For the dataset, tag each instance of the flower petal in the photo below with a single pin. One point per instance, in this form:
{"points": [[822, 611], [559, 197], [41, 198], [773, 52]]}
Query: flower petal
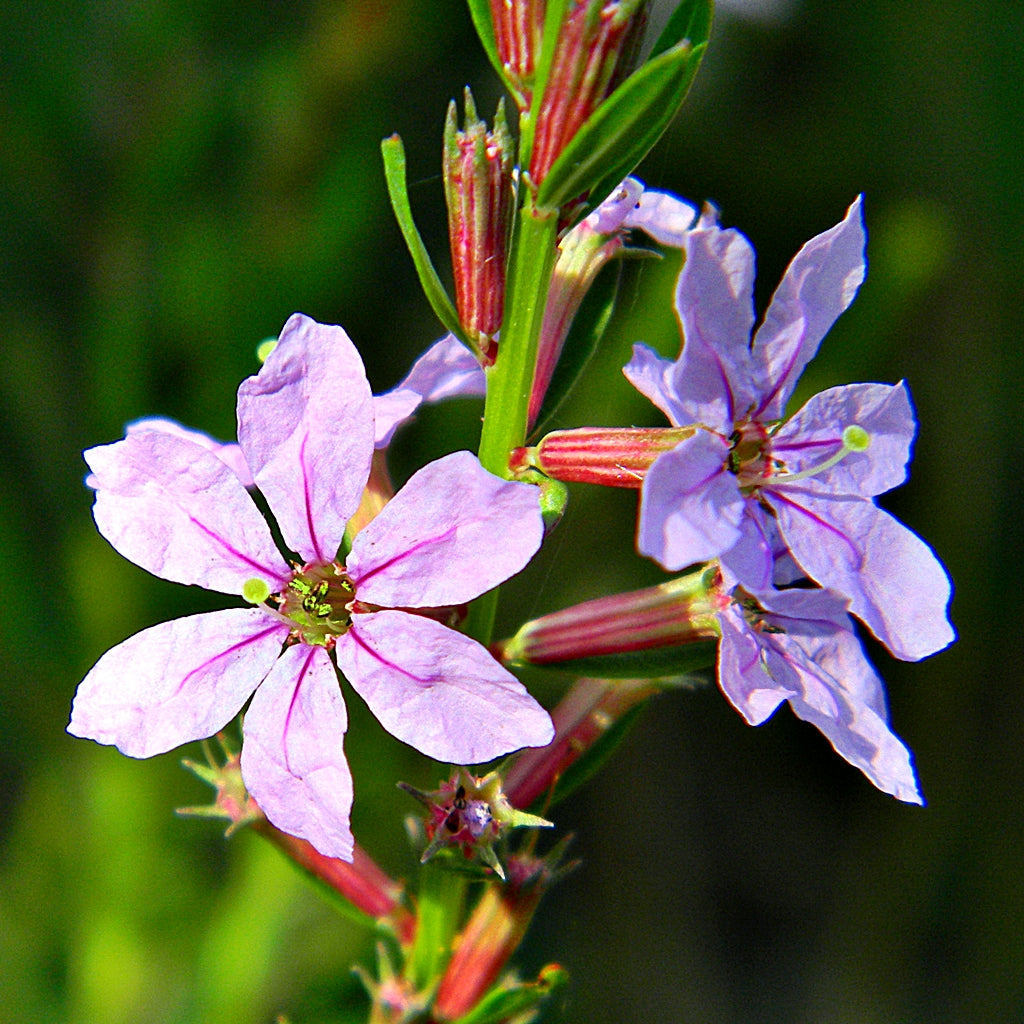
{"points": [[176, 682], [815, 433], [438, 690], [227, 451], [690, 504], [305, 424], [893, 580], [451, 533], [815, 663], [446, 370], [663, 216], [818, 285], [293, 761], [712, 381], [652, 376], [180, 513]]}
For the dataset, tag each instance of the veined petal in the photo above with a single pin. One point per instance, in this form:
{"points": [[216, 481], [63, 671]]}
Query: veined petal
{"points": [[893, 580], [652, 376], [815, 433], [818, 285], [751, 561], [451, 533], [176, 682], [446, 370], [180, 513], [227, 451], [305, 424], [712, 381], [293, 761], [690, 504], [817, 665], [438, 690]]}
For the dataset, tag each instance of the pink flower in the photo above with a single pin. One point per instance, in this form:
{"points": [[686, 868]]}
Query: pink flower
{"points": [[306, 430]]}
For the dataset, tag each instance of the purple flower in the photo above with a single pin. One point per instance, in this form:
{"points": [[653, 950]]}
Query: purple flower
{"points": [[306, 429], [799, 646], [745, 482]]}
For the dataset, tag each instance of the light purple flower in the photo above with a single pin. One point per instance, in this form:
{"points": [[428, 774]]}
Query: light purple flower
{"points": [[172, 506], [743, 483], [799, 646]]}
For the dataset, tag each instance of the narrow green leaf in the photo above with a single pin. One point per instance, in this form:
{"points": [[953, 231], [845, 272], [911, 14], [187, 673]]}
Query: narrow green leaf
{"points": [[394, 173], [439, 907], [690, 20], [654, 663], [588, 327], [622, 131]]}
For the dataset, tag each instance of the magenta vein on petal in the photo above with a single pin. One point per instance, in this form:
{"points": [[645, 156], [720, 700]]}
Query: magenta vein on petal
{"points": [[232, 550]]}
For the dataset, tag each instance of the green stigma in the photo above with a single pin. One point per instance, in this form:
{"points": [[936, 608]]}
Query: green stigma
{"points": [[856, 439], [255, 591], [264, 348]]}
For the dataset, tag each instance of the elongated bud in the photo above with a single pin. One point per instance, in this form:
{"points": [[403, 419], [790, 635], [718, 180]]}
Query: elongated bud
{"points": [[594, 51], [582, 719], [681, 611], [518, 27], [479, 193], [493, 933], [612, 456]]}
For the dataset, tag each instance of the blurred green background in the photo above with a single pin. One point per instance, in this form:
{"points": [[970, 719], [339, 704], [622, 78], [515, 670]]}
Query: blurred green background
{"points": [[176, 179]]}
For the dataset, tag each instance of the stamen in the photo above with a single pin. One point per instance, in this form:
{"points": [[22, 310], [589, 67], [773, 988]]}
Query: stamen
{"points": [[855, 439]]}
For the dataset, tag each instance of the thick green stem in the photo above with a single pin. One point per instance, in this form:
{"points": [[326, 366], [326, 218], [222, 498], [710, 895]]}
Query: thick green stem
{"points": [[439, 907], [510, 379]]}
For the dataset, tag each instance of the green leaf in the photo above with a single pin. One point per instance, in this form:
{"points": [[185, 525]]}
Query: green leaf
{"points": [[504, 1002], [622, 131], [653, 663], [585, 335], [394, 173], [690, 20]]}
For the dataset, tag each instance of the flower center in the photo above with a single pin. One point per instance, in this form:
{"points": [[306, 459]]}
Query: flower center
{"points": [[750, 457], [317, 602]]}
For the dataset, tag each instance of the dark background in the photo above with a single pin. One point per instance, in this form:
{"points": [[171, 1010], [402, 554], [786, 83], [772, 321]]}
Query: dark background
{"points": [[176, 179]]}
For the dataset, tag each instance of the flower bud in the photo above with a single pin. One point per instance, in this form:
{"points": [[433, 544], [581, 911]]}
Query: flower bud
{"points": [[595, 49], [479, 192], [611, 456], [681, 611], [518, 28]]}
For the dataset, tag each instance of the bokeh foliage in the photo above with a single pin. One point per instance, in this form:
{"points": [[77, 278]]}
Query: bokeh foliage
{"points": [[176, 179]]}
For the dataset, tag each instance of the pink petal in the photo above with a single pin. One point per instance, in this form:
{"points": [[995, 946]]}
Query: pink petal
{"points": [[690, 505], [663, 216], [305, 424], [179, 512], [228, 452], [816, 432], [715, 301], [293, 761], [438, 690], [893, 580], [652, 376], [446, 370], [817, 287], [176, 682], [451, 533]]}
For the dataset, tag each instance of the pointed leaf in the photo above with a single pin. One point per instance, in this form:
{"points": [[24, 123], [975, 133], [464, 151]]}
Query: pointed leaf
{"points": [[394, 172]]}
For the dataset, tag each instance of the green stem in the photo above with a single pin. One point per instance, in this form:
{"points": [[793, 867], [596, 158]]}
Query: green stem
{"points": [[510, 379], [439, 907]]}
